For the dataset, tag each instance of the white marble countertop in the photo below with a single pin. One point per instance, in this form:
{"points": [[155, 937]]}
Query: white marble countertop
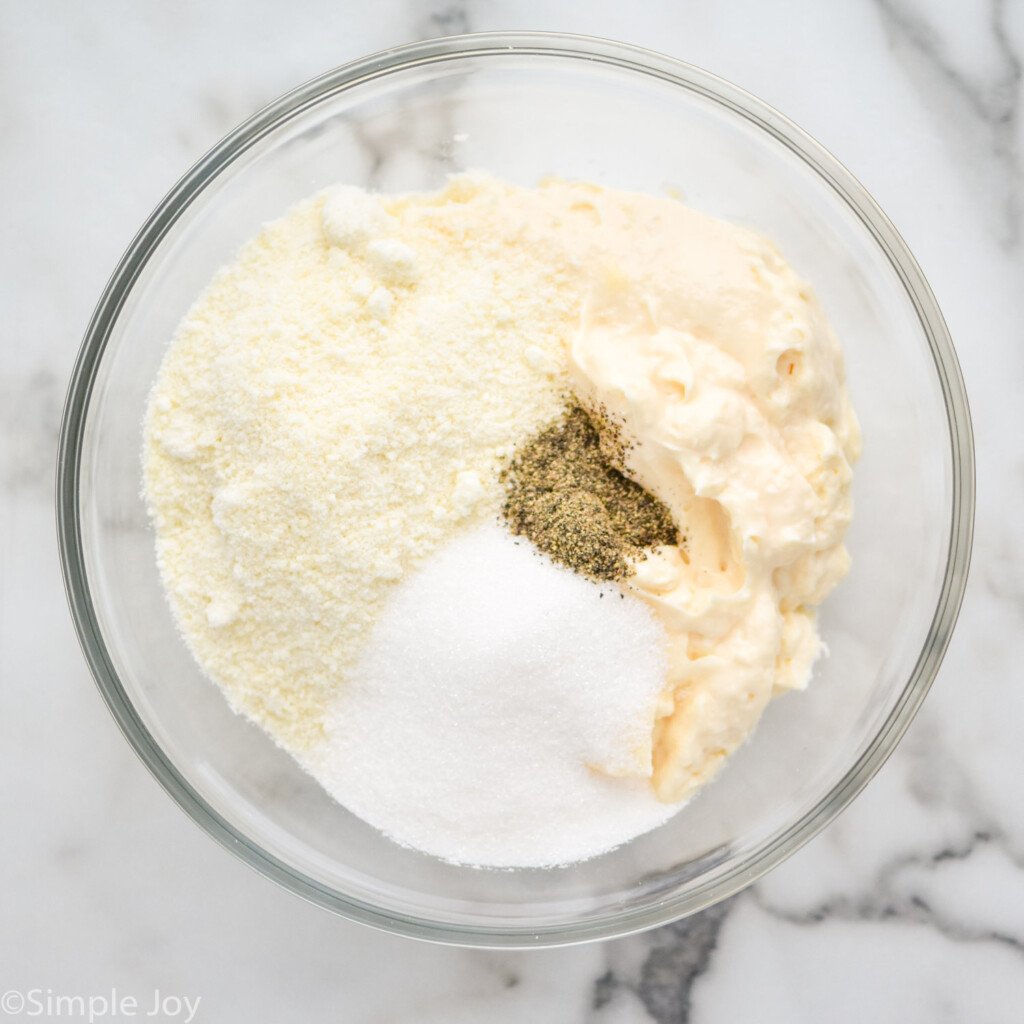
{"points": [[909, 908]]}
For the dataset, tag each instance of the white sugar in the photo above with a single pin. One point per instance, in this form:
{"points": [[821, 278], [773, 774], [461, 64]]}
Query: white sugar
{"points": [[495, 703]]}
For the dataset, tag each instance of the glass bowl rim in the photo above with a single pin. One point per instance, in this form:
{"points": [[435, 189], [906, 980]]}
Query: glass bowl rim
{"points": [[769, 852]]}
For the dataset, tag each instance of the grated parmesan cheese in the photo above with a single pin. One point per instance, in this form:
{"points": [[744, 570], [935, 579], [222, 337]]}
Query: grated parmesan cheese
{"points": [[291, 480]]}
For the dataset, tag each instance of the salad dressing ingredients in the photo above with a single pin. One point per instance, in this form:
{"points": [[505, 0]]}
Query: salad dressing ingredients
{"points": [[332, 421]]}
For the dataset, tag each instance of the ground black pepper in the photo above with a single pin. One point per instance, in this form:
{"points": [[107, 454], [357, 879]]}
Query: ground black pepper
{"points": [[565, 494]]}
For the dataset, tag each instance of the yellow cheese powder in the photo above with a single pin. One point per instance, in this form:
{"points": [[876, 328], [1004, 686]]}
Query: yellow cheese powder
{"points": [[334, 406]]}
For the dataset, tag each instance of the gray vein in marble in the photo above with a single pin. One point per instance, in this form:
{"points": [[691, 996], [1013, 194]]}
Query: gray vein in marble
{"points": [[1003, 571], [501, 966], [996, 101], [883, 903], [937, 780], [676, 956], [29, 416], [449, 20], [383, 143]]}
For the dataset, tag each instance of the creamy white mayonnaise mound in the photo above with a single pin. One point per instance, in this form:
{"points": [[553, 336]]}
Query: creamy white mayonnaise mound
{"points": [[719, 363]]}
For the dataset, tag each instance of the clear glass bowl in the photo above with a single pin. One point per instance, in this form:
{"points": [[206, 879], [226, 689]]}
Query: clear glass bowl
{"points": [[524, 106]]}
